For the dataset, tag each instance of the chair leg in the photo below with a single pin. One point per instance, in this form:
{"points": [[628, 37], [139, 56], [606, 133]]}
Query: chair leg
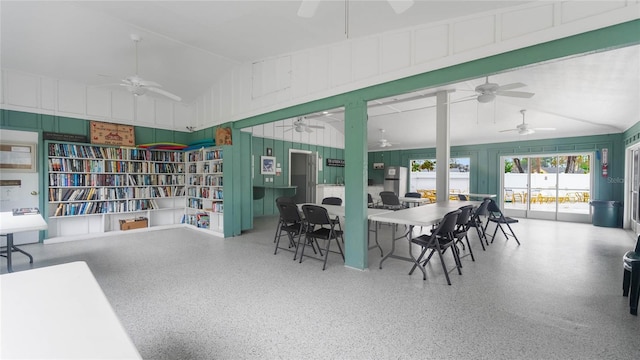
{"points": [[444, 266], [513, 233], [635, 289], [304, 244], [480, 236], [424, 250], [276, 239], [469, 245], [626, 282]]}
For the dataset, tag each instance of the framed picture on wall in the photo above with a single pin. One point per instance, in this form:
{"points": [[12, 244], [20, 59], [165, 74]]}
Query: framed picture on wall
{"points": [[18, 157], [267, 165]]}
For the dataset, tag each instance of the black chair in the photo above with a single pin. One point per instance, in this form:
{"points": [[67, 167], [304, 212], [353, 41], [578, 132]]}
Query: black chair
{"points": [[290, 222], [413, 195], [462, 227], [390, 201], [631, 263], [320, 227], [370, 202], [496, 216], [462, 197], [476, 221], [332, 201], [440, 239]]}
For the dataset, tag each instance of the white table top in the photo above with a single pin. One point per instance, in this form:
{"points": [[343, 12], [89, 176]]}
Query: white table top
{"points": [[421, 215], [476, 195], [337, 210], [59, 312], [10, 224], [414, 200]]}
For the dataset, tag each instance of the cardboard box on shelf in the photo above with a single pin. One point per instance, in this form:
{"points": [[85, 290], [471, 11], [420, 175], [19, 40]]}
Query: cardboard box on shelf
{"points": [[137, 223]]}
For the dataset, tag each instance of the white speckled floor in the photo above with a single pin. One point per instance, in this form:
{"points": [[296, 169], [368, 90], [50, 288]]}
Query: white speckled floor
{"points": [[184, 295]]}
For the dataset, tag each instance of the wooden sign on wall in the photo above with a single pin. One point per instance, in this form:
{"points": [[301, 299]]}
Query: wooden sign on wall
{"points": [[112, 134]]}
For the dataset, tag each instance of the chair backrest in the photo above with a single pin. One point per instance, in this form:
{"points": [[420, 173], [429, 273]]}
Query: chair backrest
{"points": [[389, 198], [413, 195], [465, 215], [493, 207], [462, 197], [448, 224], [288, 210], [369, 199], [332, 201], [637, 250], [316, 215], [483, 209]]}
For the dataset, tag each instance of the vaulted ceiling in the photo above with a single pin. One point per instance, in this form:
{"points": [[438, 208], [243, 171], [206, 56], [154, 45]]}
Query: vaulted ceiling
{"points": [[188, 45]]}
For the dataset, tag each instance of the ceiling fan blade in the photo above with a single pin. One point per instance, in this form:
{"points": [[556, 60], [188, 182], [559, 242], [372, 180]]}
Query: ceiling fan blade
{"points": [[511, 86], [308, 8], [289, 129], [400, 6], [544, 129], [509, 130], [165, 93], [148, 83], [306, 128], [518, 94], [284, 126], [315, 126]]}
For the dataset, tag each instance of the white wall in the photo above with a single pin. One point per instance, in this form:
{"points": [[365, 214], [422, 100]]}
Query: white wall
{"points": [[273, 83]]}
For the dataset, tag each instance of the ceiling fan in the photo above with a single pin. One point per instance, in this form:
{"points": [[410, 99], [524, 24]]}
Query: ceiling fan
{"points": [[138, 86], [299, 126], [524, 129], [487, 92], [383, 143], [308, 8]]}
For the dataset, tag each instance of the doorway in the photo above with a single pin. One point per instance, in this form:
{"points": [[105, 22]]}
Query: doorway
{"points": [[633, 190], [550, 187], [303, 175], [23, 186]]}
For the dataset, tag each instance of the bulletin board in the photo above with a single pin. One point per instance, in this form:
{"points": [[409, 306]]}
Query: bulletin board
{"points": [[18, 157], [112, 134]]}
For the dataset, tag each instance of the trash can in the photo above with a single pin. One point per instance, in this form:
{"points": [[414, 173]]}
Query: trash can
{"points": [[606, 213]]}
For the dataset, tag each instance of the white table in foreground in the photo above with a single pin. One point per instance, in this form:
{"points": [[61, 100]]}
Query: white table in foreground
{"points": [[59, 312], [10, 224], [416, 216]]}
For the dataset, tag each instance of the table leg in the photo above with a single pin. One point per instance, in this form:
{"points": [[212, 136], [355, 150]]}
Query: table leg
{"points": [[9, 250], [375, 227], [393, 245]]}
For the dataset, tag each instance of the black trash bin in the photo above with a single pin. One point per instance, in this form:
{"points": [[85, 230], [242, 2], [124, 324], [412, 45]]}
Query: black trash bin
{"points": [[606, 213]]}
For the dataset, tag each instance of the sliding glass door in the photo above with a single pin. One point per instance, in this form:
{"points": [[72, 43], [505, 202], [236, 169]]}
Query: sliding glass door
{"points": [[556, 187]]}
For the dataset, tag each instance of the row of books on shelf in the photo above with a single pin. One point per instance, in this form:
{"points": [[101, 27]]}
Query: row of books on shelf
{"points": [[75, 165], [213, 154], [87, 180], [208, 193], [213, 180], [200, 220], [103, 207], [111, 193], [215, 167], [116, 153], [150, 179], [142, 167]]}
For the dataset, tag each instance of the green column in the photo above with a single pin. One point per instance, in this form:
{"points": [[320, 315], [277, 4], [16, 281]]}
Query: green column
{"points": [[355, 149]]}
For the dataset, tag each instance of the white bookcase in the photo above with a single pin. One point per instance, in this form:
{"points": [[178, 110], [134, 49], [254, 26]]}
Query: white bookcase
{"points": [[93, 187], [204, 189]]}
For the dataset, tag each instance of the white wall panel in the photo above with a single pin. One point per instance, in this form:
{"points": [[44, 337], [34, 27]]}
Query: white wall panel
{"points": [[396, 51], [22, 89], [164, 114], [184, 115], [366, 58], [431, 43], [341, 64], [122, 106], [98, 102], [473, 34], [71, 97], [226, 89], [318, 70], [145, 110], [526, 21], [300, 75], [577, 10], [47, 93]]}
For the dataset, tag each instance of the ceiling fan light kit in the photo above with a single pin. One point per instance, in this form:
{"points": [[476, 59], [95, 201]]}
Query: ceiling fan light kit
{"points": [[486, 98], [524, 129]]}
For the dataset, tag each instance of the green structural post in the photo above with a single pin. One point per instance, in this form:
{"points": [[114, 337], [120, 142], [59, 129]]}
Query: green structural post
{"points": [[355, 149]]}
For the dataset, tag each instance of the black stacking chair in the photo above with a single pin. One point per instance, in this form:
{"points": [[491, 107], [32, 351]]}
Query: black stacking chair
{"points": [[496, 216], [476, 221], [631, 262], [290, 222], [413, 195], [333, 201], [390, 201], [370, 202], [462, 197], [320, 227], [462, 227], [440, 239]]}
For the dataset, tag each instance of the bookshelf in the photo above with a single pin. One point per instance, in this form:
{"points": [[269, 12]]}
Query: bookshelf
{"points": [[204, 189], [92, 187]]}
